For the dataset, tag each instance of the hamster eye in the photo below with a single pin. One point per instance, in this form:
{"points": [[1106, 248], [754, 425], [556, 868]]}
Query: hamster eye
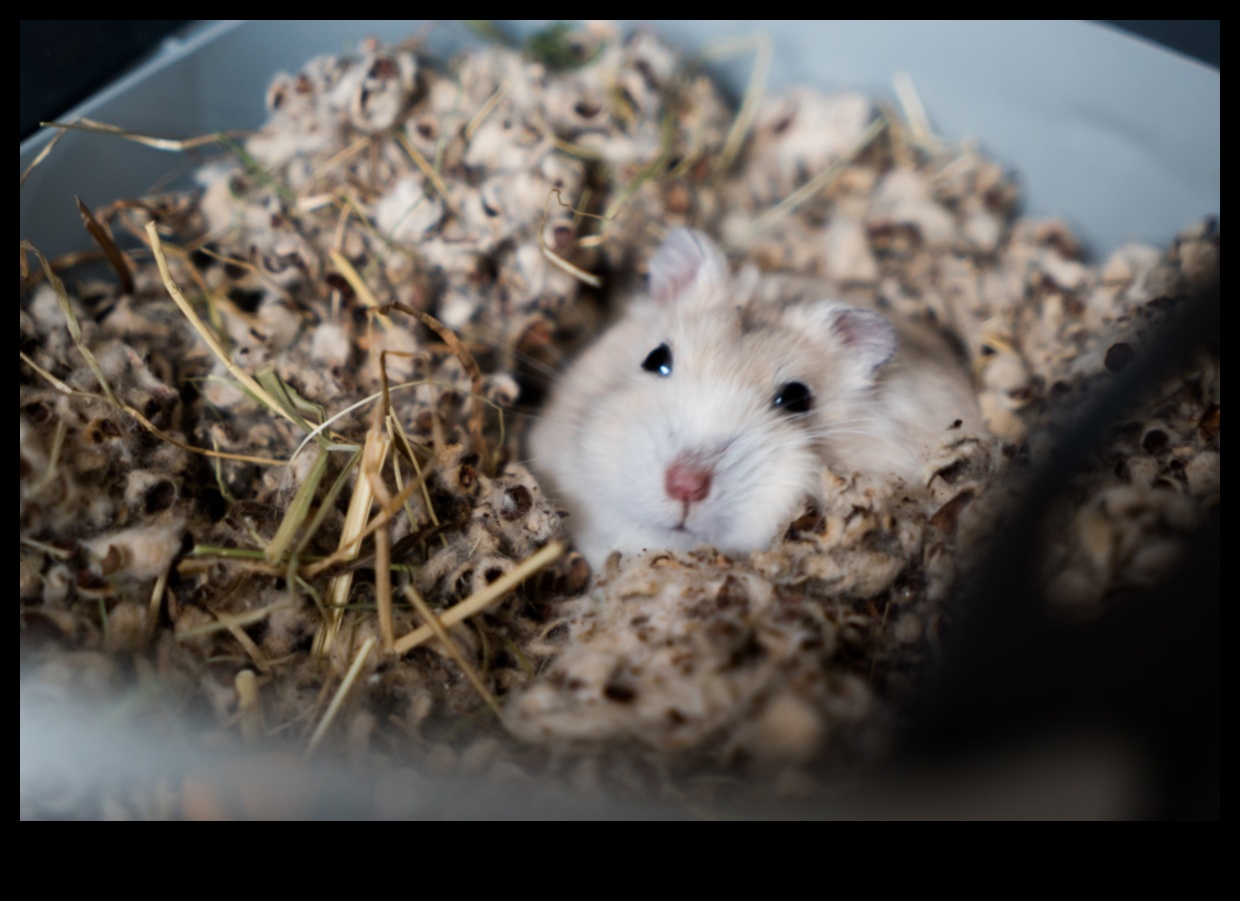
{"points": [[659, 361], [794, 397]]}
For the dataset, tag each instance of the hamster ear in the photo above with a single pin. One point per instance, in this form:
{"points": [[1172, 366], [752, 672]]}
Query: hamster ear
{"points": [[867, 336], [687, 262]]}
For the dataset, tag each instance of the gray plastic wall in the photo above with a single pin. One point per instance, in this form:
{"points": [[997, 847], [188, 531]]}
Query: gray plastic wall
{"points": [[1120, 137]]}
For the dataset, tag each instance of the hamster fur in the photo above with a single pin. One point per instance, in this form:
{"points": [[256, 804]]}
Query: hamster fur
{"points": [[709, 411]]}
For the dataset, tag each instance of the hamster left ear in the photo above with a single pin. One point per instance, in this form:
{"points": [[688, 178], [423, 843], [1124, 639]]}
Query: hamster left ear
{"points": [[688, 261], [868, 335]]}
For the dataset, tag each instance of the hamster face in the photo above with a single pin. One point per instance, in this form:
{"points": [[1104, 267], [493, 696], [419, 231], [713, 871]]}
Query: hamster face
{"points": [[703, 418]]}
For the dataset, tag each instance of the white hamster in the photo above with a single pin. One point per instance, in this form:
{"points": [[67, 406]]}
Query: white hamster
{"points": [[709, 411]]}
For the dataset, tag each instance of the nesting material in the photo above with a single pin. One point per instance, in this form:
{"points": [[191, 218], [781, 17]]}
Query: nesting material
{"points": [[400, 253]]}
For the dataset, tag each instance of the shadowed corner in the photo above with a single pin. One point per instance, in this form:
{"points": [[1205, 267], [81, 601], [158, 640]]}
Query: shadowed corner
{"points": [[1144, 677]]}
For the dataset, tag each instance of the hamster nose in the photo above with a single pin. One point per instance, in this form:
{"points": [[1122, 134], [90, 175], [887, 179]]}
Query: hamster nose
{"points": [[687, 481]]}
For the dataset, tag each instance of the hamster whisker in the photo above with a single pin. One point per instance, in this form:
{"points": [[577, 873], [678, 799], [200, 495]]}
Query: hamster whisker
{"points": [[841, 424], [523, 412], [833, 433], [532, 363]]}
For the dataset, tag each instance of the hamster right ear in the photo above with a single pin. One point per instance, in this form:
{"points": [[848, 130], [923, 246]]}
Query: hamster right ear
{"points": [[688, 262], [867, 338]]}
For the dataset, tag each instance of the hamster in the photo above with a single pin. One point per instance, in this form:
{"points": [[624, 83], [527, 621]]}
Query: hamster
{"points": [[708, 413]]}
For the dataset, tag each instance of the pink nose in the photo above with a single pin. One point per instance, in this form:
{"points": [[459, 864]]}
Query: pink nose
{"points": [[687, 482]]}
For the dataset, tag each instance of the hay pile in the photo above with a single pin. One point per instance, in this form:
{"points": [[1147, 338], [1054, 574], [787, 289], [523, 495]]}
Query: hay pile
{"points": [[373, 283]]}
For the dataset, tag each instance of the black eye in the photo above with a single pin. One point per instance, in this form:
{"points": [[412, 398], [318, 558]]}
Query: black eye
{"points": [[659, 361], [793, 397]]}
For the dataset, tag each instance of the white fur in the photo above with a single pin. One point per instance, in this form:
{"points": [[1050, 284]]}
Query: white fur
{"points": [[611, 429]]}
